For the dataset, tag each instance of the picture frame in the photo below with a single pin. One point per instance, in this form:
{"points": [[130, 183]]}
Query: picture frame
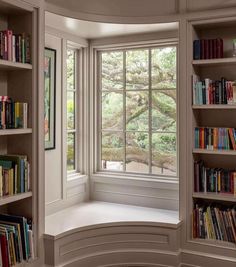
{"points": [[49, 98]]}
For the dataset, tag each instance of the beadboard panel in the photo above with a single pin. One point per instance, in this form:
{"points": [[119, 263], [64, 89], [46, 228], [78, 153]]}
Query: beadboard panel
{"points": [[135, 193], [86, 246]]}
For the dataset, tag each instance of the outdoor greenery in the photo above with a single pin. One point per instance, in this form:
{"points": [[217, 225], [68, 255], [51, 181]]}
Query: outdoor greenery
{"points": [[70, 109], [139, 110]]}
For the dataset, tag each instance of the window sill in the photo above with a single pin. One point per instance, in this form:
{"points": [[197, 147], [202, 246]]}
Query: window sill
{"points": [[169, 183], [77, 178]]}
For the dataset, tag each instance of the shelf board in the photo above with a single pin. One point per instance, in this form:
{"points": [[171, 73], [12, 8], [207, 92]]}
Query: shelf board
{"points": [[15, 131], [220, 106], [215, 61], [216, 152], [10, 65], [215, 196], [10, 199], [216, 243]]}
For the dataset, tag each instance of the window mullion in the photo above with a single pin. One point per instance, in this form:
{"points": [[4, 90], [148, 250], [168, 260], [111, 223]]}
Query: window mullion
{"points": [[124, 108], [150, 110]]}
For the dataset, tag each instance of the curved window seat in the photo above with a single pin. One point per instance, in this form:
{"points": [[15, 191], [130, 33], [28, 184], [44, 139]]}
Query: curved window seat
{"points": [[77, 235]]}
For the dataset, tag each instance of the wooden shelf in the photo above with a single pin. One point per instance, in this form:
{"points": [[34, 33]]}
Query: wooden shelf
{"points": [[217, 243], [216, 152], [9, 199], [215, 196], [220, 106], [10, 65], [215, 62], [15, 131]]}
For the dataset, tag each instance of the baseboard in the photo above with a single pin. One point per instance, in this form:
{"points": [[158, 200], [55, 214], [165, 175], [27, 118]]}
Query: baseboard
{"points": [[199, 259]]}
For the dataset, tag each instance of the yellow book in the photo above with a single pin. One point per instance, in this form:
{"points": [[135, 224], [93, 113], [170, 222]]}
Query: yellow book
{"points": [[11, 182]]}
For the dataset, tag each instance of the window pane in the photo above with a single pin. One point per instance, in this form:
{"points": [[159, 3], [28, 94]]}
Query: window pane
{"points": [[164, 110], [137, 111], [164, 153], [137, 69], [164, 67], [70, 151], [112, 151], [70, 69], [112, 70], [112, 111], [70, 110], [137, 152]]}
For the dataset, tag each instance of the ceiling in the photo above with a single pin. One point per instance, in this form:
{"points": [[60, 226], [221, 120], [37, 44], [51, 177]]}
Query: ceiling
{"points": [[93, 30]]}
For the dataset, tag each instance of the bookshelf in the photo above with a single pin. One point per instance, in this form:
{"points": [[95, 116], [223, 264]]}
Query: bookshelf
{"points": [[21, 82], [212, 116]]}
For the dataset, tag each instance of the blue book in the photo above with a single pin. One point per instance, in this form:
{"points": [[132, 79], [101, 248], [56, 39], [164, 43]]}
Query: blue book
{"points": [[196, 49]]}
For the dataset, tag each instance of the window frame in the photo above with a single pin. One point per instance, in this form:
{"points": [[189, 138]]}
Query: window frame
{"points": [[79, 170], [98, 118]]}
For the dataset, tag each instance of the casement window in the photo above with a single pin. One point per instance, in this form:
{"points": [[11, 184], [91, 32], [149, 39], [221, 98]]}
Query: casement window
{"points": [[71, 110], [138, 111]]}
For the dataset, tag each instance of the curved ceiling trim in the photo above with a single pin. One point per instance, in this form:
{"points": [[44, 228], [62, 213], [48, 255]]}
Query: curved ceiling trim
{"points": [[111, 19]]}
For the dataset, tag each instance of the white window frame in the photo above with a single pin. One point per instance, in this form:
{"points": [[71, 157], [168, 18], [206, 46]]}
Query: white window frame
{"points": [[80, 112], [96, 120]]}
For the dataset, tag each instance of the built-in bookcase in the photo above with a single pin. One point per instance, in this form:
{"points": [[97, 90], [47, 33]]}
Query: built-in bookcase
{"points": [[19, 81], [217, 115]]}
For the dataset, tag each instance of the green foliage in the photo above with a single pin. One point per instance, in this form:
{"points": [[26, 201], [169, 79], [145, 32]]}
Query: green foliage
{"points": [[138, 114]]}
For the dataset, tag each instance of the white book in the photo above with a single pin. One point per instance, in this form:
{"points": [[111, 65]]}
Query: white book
{"points": [[195, 79], [31, 244]]}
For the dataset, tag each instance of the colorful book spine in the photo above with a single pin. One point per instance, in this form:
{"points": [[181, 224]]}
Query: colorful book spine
{"points": [[215, 138], [15, 47], [208, 48], [212, 222]]}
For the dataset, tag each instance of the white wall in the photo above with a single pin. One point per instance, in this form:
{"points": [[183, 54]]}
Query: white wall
{"points": [[53, 158], [60, 193]]}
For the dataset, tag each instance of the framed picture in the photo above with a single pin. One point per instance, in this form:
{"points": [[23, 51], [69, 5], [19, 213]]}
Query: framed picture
{"points": [[49, 98]]}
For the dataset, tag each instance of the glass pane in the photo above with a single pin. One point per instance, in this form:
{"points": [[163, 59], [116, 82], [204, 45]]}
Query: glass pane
{"points": [[137, 69], [70, 69], [112, 110], [137, 111], [112, 70], [112, 151], [164, 153], [164, 67], [164, 110], [137, 152], [70, 151], [70, 110]]}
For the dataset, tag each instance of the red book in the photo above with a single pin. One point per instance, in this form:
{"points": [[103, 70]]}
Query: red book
{"points": [[9, 44], [4, 250], [202, 45], [219, 48], [231, 135], [210, 44], [214, 48], [206, 48]]}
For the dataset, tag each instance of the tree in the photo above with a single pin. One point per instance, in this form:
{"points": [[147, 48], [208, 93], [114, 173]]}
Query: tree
{"points": [[163, 102]]}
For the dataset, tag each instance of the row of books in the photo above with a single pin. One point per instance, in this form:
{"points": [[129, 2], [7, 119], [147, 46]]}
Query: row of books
{"points": [[14, 47], [14, 174], [215, 180], [212, 222], [215, 138], [207, 48], [13, 114], [208, 91], [16, 240]]}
